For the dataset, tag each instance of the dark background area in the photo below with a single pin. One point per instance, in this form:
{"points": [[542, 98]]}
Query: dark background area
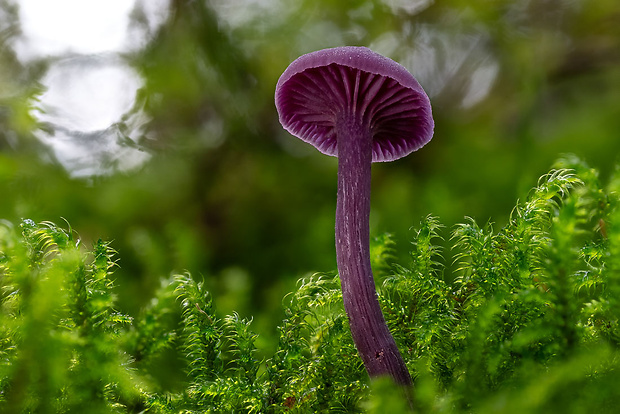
{"points": [[223, 192]]}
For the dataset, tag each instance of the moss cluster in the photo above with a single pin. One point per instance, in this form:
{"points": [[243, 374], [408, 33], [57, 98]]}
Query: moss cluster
{"points": [[524, 319]]}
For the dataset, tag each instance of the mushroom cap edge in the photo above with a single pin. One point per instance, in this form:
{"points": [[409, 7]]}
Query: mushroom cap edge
{"points": [[365, 60]]}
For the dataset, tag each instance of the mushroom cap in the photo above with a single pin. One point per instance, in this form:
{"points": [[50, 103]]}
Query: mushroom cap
{"points": [[350, 83]]}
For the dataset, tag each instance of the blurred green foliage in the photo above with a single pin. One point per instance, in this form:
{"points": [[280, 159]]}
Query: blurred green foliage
{"points": [[227, 193], [527, 322]]}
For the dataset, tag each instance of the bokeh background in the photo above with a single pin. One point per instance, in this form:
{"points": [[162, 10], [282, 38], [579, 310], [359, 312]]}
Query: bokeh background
{"points": [[151, 123]]}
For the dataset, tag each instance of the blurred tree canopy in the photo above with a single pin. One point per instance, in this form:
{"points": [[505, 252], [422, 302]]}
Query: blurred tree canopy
{"points": [[223, 191]]}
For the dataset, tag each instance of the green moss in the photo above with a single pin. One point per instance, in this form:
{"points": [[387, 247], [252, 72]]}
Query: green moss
{"points": [[524, 319]]}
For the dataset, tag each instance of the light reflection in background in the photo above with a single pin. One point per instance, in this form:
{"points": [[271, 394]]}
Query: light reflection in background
{"points": [[59, 27], [408, 6], [52, 28], [85, 104], [78, 86], [88, 108], [93, 124], [451, 62]]}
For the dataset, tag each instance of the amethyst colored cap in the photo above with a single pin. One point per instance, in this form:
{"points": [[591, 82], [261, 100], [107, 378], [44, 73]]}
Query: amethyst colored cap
{"points": [[351, 83]]}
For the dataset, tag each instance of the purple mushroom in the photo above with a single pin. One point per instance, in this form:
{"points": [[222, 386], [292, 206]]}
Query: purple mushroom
{"points": [[362, 107]]}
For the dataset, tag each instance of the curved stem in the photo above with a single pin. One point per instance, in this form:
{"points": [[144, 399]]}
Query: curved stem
{"points": [[370, 333]]}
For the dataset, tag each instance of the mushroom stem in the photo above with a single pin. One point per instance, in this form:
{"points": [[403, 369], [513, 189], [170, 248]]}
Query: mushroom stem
{"points": [[370, 333]]}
